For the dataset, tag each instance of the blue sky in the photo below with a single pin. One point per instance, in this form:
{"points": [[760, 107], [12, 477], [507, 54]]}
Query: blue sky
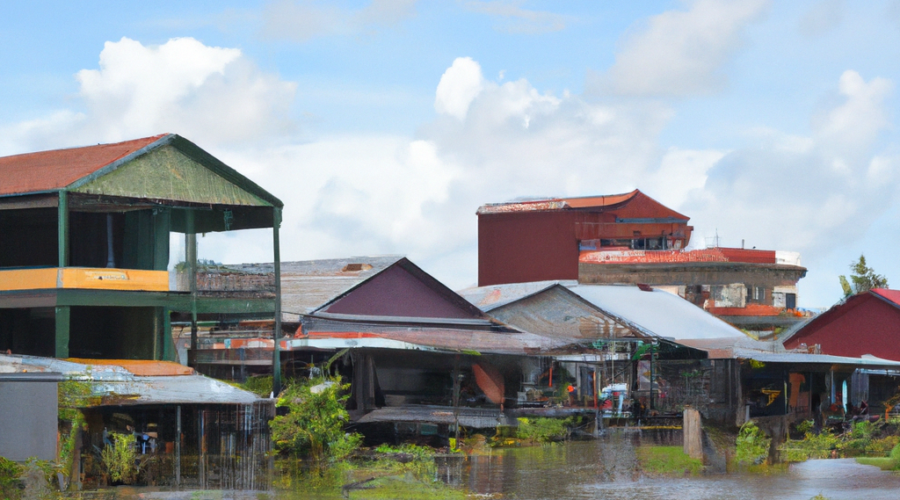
{"points": [[384, 124]]}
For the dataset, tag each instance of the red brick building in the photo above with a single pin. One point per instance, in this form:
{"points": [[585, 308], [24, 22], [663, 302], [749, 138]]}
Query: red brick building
{"points": [[541, 240], [633, 239]]}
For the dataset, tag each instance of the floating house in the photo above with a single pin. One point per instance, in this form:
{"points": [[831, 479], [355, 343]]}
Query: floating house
{"points": [[84, 266], [190, 430], [696, 359], [89, 293]]}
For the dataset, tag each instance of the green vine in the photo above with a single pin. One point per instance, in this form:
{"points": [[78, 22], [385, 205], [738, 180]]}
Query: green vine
{"points": [[72, 395]]}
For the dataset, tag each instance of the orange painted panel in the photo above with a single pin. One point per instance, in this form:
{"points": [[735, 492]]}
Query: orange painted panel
{"points": [[139, 367], [114, 279], [28, 279]]}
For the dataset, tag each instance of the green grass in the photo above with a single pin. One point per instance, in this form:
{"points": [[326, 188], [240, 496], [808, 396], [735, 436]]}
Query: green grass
{"points": [[891, 462], [402, 488], [667, 460], [884, 463]]}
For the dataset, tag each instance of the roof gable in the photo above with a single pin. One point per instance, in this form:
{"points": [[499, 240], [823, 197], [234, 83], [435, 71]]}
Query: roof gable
{"points": [[402, 290], [160, 167], [633, 205], [165, 173], [867, 323], [557, 312]]}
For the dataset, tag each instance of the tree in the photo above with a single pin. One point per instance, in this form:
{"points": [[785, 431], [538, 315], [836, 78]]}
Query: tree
{"points": [[864, 279], [314, 425]]}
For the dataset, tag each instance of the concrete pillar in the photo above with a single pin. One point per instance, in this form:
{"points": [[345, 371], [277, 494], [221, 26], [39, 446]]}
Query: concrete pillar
{"points": [[693, 433]]}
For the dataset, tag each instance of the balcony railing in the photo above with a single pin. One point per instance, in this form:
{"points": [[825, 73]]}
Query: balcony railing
{"points": [[84, 278]]}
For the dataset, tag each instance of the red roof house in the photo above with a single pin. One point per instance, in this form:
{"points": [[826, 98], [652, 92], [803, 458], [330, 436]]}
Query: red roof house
{"points": [[868, 323]]}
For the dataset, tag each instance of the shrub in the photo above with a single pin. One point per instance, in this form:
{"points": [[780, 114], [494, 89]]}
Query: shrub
{"points": [[314, 425], [883, 446], [10, 472], [862, 430], [752, 445], [811, 446], [261, 386], [543, 430], [411, 450], [118, 458]]}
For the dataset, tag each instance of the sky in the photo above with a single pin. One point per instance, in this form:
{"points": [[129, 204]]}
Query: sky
{"points": [[383, 125]]}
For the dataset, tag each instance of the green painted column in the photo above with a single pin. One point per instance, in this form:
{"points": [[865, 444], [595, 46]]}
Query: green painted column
{"points": [[276, 335], [191, 258], [162, 225], [63, 229], [168, 351], [63, 314]]}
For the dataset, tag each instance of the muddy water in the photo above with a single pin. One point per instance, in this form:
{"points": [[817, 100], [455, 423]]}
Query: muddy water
{"points": [[600, 469], [607, 469]]}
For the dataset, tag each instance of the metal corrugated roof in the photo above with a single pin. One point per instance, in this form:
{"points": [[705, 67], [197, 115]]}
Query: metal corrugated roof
{"points": [[53, 170], [800, 357], [657, 312], [433, 339], [307, 285], [491, 297], [117, 386], [889, 295]]}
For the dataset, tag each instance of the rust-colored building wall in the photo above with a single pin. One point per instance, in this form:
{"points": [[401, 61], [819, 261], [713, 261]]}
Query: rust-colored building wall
{"points": [[864, 324], [523, 247]]}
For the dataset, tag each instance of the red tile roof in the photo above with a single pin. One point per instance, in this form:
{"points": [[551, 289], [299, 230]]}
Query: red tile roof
{"points": [[625, 256], [53, 170], [627, 205]]}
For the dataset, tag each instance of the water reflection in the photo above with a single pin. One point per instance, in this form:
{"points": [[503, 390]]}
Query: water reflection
{"points": [[608, 469]]}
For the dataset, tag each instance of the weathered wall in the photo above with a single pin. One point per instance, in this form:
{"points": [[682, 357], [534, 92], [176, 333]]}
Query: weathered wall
{"points": [[701, 273], [523, 247]]}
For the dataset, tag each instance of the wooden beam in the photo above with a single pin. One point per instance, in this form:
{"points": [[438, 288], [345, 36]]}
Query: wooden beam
{"points": [[276, 352]]}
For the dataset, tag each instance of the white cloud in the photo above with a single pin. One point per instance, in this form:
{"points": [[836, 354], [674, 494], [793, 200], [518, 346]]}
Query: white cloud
{"points": [[680, 53], [459, 85], [302, 20], [213, 95], [371, 194], [491, 141], [515, 19], [810, 194], [821, 18]]}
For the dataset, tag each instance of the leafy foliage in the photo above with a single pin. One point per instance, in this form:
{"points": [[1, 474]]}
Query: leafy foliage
{"points": [[543, 430], [71, 396], [863, 279], [261, 386], [118, 458], [407, 450], [314, 425], [752, 445], [811, 446], [10, 472]]}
